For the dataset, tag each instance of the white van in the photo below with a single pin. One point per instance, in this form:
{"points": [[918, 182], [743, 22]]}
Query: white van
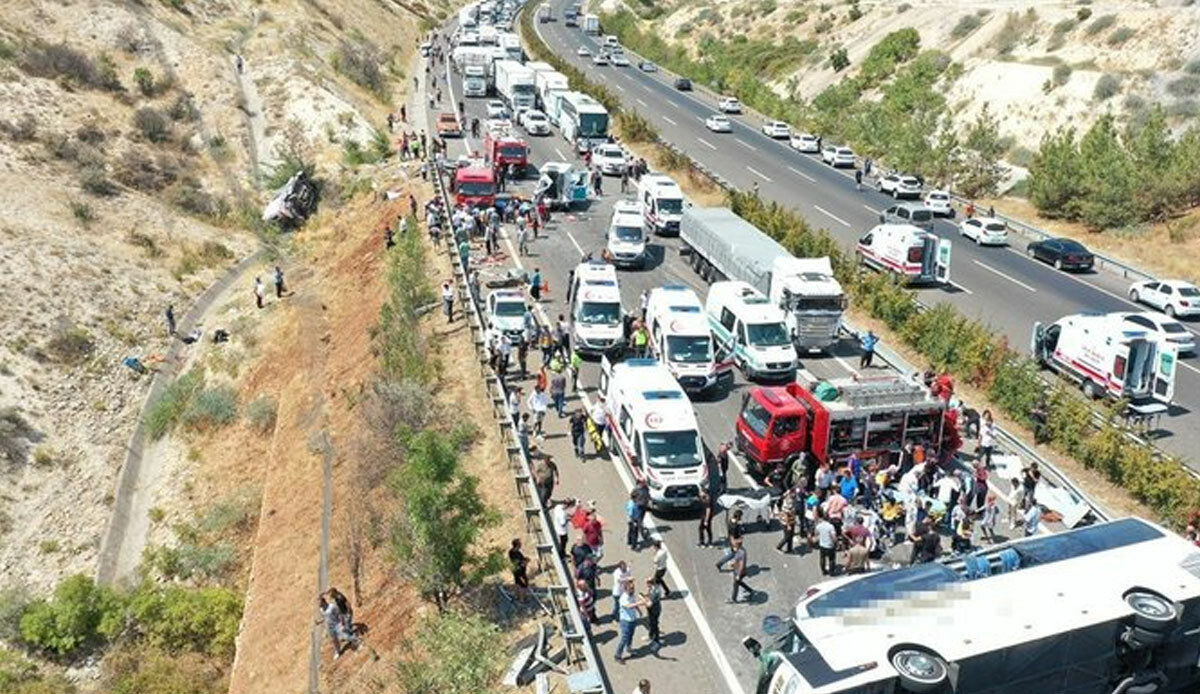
{"points": [[681, 339], [597, 322], [662, 203], [908, 251], [745, 321], [1108, 356], [652, 427], [626, 237], [611, 41]]}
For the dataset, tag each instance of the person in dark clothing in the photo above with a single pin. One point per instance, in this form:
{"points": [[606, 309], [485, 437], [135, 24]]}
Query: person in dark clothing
{"points": [[653, 600], [520, 564], [579, 432], [389, 238], [707, 511], [278, 282], [733, 535], [170, 314]]}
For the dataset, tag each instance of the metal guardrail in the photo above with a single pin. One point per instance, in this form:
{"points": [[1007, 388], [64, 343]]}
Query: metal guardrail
{"points": [[578, 645]]}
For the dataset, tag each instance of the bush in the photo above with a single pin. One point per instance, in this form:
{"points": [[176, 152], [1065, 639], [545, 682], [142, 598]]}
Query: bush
{"points": [[1083, 14], [184, 109], [458, 654], [23, 130], [82, 212], [165, 411], [966, 25], [192, 560], [19, 675], [1120, 36], [60, 61], [363, 63], [1106, 87], [261, 413], [1100, 23], [211, 408], [141, 669], [144, 79], [1066, 26], [839, 60], [138, 170], [201, 620], [80, 616], [191, 197], [152, 124], [1188, 85], [13, 603], [70, 345], [1192, 68], [94, 179], [1062, 74], [635, 127], [15, 434]]}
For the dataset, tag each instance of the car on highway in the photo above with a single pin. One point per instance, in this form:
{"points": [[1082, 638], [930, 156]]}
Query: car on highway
{"points": [[805, 142], [683, 84], [729, 104], [583, 52], [899, 185], [907, 213], [610, 159], [718, 123], [1164, 328], [600, 59], [619, 60], [497, 110], [1063, 254], [647, 66], [1172, 297], [448, 125], [985, 231], [938, 202], [535, 123], [837, 156], [777, 129]]}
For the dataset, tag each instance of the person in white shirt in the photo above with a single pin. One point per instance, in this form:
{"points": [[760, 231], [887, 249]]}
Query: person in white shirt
{"points": [[448, 301], [621, 575], [987, 438], [514, 404], [560, 518], [538, 403], [660, 567]]}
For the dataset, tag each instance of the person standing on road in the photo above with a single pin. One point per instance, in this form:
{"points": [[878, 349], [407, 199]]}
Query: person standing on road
{"points": [[170, 316], [558, 391], [522, 237], [826, 536], [560, 517], [858, 176], [259, 291], [987, 438], [514, 404], [733, 535], [538, 405], [332, 617], [1033, 519], [629, 612], [579, 433], [535, 284], [739, 576], [633, 518], [545, 473], [593, 532], [653, 598], [621, 574], [660, 567], [787, 518], [868, 343], [707, 511]]}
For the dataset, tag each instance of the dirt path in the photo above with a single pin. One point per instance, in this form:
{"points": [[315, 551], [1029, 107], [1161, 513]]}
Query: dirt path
{"points": [[251, 106]]}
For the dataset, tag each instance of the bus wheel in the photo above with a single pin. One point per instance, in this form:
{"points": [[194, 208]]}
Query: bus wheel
{"points": [[1152, 612], [919, 670], [1090, 390]]}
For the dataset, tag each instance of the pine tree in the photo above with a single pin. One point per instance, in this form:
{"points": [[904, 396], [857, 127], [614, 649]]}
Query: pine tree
{"points": [[1151, 151], [978, 166], [1108, 179], [1054, 174]]}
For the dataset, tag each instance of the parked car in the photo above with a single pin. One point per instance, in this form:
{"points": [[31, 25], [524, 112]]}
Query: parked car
{"points": [[777, 129], [837, 156], [899, 185], [683, 84], [600, 59], [1064, 254], [938, 202], [647, 66], [583, 52], [984, 231], [718, 123], [907, 213], [806, 142], [496, 109], [619, 60], [448, 125], [1173, 297], [1165, 328], [729, 104], [609, 158]]}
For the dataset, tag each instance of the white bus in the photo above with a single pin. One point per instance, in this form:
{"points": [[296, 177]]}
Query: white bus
{"points": [[1113, 608], [583, 121]]}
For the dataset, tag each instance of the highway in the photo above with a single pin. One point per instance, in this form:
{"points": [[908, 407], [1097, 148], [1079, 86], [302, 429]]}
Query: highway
{"points": [[702, 629], [1000, 286]]}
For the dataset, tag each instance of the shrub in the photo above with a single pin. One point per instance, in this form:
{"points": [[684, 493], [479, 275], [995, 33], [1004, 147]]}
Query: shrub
{"points": [[1120, 36], [138, 170], [966, 25], [1188, 85], [60, 61], [140, 669], [82, 212], [168, 407], [15, 434], [183, 109], [362, 62], [1083, 14], [18, 675], [1192, 68], [1100, 23], [1106, 87], [839, 60], [144, 79], [1016, 29], [1062, 74], [23, 130], [459, 654], [191, 197], [80, 616], [855, 13], [14, 601], [1066, 26], [211, 408], [94, 179], [192, 560], [261, 413], [635, 127], [70, 344], [1184, 108], [152, 124], [201, 620]]}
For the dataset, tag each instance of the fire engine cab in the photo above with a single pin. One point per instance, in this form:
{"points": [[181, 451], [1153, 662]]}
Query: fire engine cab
{"points": [[869, 416], [914, 254], [652, 427], [474, 186], [503, 147]]}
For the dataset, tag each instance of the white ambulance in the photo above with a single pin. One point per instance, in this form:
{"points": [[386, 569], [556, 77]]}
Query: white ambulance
{"points": [[911, 252], [681, 339], [745, 322], [626, 242], [1108, 356], [597, 321], [652, 427], [662, 203]]}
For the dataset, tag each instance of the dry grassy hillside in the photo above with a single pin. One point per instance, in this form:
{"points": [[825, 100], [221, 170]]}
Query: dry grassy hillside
{"points": [[132, 155]]}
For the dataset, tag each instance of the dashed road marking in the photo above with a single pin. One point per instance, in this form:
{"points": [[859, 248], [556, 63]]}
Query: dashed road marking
{"points": [[756, 173], [831, 215], [704, 142], [1005, 275], [801, 174]]}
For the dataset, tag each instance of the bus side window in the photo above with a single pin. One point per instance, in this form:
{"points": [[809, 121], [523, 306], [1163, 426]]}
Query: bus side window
{"points": [[727, 319]]}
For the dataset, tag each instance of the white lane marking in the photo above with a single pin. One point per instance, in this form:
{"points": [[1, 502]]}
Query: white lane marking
{"points": [[747, 145], [619, 87], [1006, 276], [647, 89], [801, 174], [560, 154], [961, 288], [705, 143], [675, 104], [669, 120], [756, 173], [643, 103], [576, 243], [871, 209], [831, 215]]}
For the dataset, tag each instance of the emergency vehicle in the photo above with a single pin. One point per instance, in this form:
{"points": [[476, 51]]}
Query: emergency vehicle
{"points": [[754, 330], [913, 253], [681, 339], [662, 203], [503, 147], [475, 186], [1108, 356], [830, 420], [652, 427], [597, 322], [626, 241]]}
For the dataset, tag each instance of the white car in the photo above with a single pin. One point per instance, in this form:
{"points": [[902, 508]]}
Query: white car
{"points": [[619, 60], [728, 104], [777, 129], [1165, 328], [506, 310], [899, 186], [600, 59], [610, 159], [805, 142], [497, 110], [938, 202], [536, 123], [1172, 297], [837, 156], [718, 123], [984, 231], [583, 52]]}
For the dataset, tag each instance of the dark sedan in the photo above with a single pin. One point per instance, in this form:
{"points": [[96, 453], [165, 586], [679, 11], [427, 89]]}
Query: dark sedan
{"points": [[683, 84], [1064, 254]]}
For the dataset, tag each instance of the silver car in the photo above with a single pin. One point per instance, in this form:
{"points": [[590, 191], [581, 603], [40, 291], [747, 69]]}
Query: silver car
{"points": [[908, 213]]}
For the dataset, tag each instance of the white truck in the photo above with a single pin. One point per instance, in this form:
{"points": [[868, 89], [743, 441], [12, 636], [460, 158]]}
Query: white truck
{"points": [[514, 84], [1108, 357], [465, 56], [546, 82], [724, 246], [511, 43], [466, 16], [591, 24], [475, 81], [662, 203]]}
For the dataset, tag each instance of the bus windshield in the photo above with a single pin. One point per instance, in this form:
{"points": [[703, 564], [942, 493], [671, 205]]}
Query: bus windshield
{"points": [[767, 334], [476, 188], [512, 151], [599, 313], [593, 124], [672, 448], [689, 349]]}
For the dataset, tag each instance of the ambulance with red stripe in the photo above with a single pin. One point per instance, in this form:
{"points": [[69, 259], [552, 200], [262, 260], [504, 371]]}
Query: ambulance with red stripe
{"points": [[652, 427], [680, 337], [1108, 357], [918, 256]]}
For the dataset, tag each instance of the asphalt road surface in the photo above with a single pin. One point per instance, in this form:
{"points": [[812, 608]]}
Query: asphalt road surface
{"points": [[702, 629], [1000, 286]]}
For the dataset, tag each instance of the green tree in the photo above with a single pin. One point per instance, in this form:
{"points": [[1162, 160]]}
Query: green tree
{"points": [[1054, 174], [1151, 151], [1107, 178], [1184, 168], [839, 60], [978, 166], [80, 615], [452, 653]]}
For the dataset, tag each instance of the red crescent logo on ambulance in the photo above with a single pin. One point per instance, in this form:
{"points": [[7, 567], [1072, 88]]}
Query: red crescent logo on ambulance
{"points": [[653, 420]]}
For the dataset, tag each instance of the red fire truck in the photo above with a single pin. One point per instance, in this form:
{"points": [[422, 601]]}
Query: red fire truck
{"points": [[871, 416], [503, 147], [475, 186]]}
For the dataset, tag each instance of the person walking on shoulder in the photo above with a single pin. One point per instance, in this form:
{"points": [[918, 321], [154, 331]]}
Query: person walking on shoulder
{"points": [[448, 301], [259, 291], [868, 343]]}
